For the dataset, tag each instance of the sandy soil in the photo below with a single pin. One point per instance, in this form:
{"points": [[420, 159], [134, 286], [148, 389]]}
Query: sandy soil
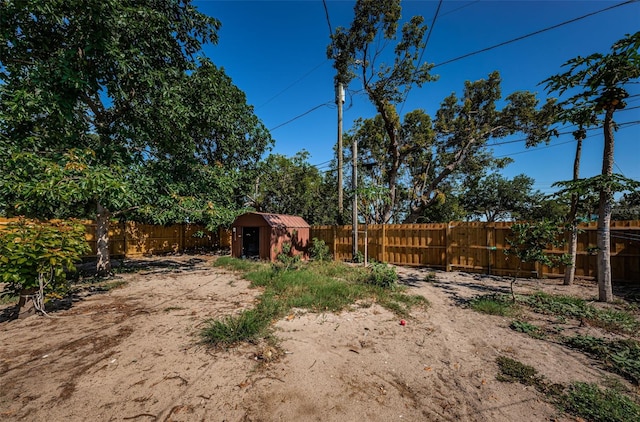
{"points": [[133, 354]]}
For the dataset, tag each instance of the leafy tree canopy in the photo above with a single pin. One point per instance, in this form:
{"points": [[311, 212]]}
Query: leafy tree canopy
{"points": [[111, 98]]}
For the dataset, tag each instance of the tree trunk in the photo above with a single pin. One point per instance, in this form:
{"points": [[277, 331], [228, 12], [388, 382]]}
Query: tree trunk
{"points": [[103, 264], [570, 270], [605, 289], [26, 306]]}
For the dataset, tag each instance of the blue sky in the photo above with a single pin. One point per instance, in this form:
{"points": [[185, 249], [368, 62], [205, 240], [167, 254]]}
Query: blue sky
{"points": [[275, 51]]}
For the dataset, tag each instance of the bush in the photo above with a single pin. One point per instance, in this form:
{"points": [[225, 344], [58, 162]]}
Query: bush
{"points": [[383, 275], [319, 250], [35, 256]]}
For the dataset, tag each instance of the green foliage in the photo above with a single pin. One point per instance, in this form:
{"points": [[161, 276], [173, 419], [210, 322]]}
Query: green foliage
{"points": [[621, 356], [580, 399], [590, 402], [383, 275], [110, 103], [34, 252], [242, 265], [529, 242], [293, 186], [513, 371], [567, 306], [496, 198], [319, 250], [526, 328], [493, 304], [286, 259]]}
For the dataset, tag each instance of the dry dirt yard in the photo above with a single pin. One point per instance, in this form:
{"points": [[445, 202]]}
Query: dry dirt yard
{"points": [[133, 353]]}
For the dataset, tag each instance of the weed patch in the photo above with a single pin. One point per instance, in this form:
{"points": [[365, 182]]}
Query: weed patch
{"points": [[319, 287], [587, 401], [570, 307], [493, 304], [590, 402], [526, 328], [620, 356]]}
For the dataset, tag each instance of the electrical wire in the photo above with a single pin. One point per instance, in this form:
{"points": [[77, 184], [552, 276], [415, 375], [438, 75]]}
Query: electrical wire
{"points": [[327, 104], [292, 84], [531, 34], [424, 48]]}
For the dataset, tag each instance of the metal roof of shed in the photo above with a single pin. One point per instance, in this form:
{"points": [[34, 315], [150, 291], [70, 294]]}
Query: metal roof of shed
{"points": [[282, 220]]}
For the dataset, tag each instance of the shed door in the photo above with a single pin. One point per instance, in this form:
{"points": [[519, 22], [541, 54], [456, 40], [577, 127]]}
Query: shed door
{"points": [[251, 242]]}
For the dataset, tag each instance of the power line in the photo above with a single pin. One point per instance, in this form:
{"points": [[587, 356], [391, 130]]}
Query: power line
{"points": [[328, 103], [326, 12], [464, 56], [292, 84], [461, 7], [426, 42]]}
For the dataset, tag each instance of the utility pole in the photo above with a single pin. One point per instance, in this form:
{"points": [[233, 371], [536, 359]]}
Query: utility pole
{"points": [[340, 102], [354, 184]]}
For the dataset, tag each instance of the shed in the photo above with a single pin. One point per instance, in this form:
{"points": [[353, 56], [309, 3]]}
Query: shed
{"points": [[261, 235]]}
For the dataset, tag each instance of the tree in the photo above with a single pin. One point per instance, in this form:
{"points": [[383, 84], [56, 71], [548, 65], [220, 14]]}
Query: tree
{"points": [[109, 92], [34, 259], [496, 198], [293, 186], [627, 207], [596, 83], [424, 158], [357, 50], [529, 242]]}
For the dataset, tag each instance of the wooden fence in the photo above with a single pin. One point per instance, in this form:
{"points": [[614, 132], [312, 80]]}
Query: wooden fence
{"points": [[132, 239], [479, 247]]}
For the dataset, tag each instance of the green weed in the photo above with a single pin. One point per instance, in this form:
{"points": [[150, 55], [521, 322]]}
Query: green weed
{"points": [[620, 356], [493, 304], [587, 401], [570, 307], [526, 328], [590, 402]]}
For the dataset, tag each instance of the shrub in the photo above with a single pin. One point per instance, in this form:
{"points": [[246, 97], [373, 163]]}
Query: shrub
{"points": [[383, 275], [34, 257], [319, 250]]}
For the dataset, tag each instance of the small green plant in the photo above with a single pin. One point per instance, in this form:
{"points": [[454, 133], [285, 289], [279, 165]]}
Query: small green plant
{"points": [[587, 401], [319, 250], [512, 370], [286, 260], [383, 275], [620, 356], [590, 402], [35, 257], [493, 304], [358, 258], [527, 328]]}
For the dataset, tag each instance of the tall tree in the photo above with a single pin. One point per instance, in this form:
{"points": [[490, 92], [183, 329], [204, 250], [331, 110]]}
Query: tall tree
{"points": [[426, 157], [357, 51], [597, 83], [107, 91]]}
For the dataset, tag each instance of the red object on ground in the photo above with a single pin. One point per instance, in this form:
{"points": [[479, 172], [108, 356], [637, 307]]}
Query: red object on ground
{"points": [[403, 322]]}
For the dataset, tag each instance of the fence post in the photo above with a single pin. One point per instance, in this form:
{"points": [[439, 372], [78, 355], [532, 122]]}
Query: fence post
{"points": [[447, 251], [383, 243], [334, 232]]}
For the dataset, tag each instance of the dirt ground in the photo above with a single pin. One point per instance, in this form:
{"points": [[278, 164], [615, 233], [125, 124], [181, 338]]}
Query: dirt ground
{"points": [[133, 354]]}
